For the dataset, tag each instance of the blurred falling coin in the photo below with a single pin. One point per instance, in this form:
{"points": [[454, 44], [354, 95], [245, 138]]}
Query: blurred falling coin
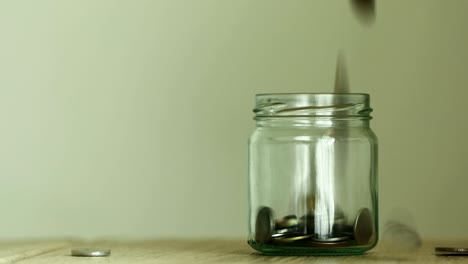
{"points": [[264, 225], [364, 10], [363, 226], [341, 75], [451, 251], [90, 252]]}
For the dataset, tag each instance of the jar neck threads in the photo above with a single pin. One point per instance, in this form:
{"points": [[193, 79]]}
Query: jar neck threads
{"points": [[313, 107], [325, 122]]}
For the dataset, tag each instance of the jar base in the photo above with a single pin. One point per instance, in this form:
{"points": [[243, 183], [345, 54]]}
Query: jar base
{"points": [[279, 250]]}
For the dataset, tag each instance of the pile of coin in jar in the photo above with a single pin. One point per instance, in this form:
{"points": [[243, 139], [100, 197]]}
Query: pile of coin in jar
{"points": [[300, 231]]}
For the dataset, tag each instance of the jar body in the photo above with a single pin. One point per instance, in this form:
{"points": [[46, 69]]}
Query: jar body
{"points": [[313, 186]]}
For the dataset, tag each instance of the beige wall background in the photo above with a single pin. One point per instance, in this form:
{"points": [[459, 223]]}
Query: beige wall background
{"points": [[130, 118]]}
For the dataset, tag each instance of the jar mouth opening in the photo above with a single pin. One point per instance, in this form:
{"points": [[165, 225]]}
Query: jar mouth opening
{"points": [[343, 105], [301, 94]]}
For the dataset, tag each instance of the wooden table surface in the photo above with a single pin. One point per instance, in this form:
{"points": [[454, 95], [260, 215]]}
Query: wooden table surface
{"points": [[203, 251]]}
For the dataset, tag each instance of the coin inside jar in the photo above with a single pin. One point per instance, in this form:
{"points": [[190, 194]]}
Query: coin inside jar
{"points": [[292, 239], [307, 223], [363, 226], [286, 222], [331, 239], [291, 230], [328, 244], [264, 225]]}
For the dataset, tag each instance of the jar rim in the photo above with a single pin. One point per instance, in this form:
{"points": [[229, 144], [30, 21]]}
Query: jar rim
{"points": [[265, 94], [313, 105]]}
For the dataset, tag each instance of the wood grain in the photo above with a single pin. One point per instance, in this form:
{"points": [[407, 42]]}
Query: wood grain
{"points": [[15, 251], [205, 251]]}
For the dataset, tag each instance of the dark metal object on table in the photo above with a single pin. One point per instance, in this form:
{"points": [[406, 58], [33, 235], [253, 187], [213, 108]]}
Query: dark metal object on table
{"points": [[451, 251], [90, 252]]}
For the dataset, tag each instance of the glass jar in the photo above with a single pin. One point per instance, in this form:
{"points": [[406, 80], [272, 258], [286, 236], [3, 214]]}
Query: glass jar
{"points": [[313, 175]]}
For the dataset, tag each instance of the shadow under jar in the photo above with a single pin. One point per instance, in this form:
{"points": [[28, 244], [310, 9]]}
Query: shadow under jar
{"points": [[313, 175]]}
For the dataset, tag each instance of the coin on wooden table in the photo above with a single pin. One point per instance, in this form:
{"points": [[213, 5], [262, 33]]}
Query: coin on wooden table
{"points": [[90, 252], [451, 251], [363, 226], [264, 225]]}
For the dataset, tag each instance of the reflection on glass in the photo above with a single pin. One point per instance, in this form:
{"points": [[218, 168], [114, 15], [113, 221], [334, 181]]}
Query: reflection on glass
{"points": [[324, 196], [301, 178]]}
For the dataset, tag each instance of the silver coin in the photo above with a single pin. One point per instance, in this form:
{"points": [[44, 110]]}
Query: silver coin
{"points": [[291, 230], [90, 252], [363, 226], [292, 239], [451, 251], [331, 239], [328, 244], [286, 234], [264, 225]]}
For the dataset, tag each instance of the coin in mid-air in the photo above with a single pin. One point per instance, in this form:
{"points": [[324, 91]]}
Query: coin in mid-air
{"points": [[264, 225]]}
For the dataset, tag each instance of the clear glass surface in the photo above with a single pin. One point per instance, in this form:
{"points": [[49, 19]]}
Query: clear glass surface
{"points": [[313, 177]]}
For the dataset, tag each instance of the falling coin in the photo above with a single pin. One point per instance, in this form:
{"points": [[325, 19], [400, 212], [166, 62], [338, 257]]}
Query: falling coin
{"points": [[341, 75], [264, 225], [363, 227], [364, 10], [90, 252], [451, 251]]}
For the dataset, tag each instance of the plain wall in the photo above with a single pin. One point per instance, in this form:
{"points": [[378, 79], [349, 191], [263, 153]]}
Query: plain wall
{"points": [[131, 118]]}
